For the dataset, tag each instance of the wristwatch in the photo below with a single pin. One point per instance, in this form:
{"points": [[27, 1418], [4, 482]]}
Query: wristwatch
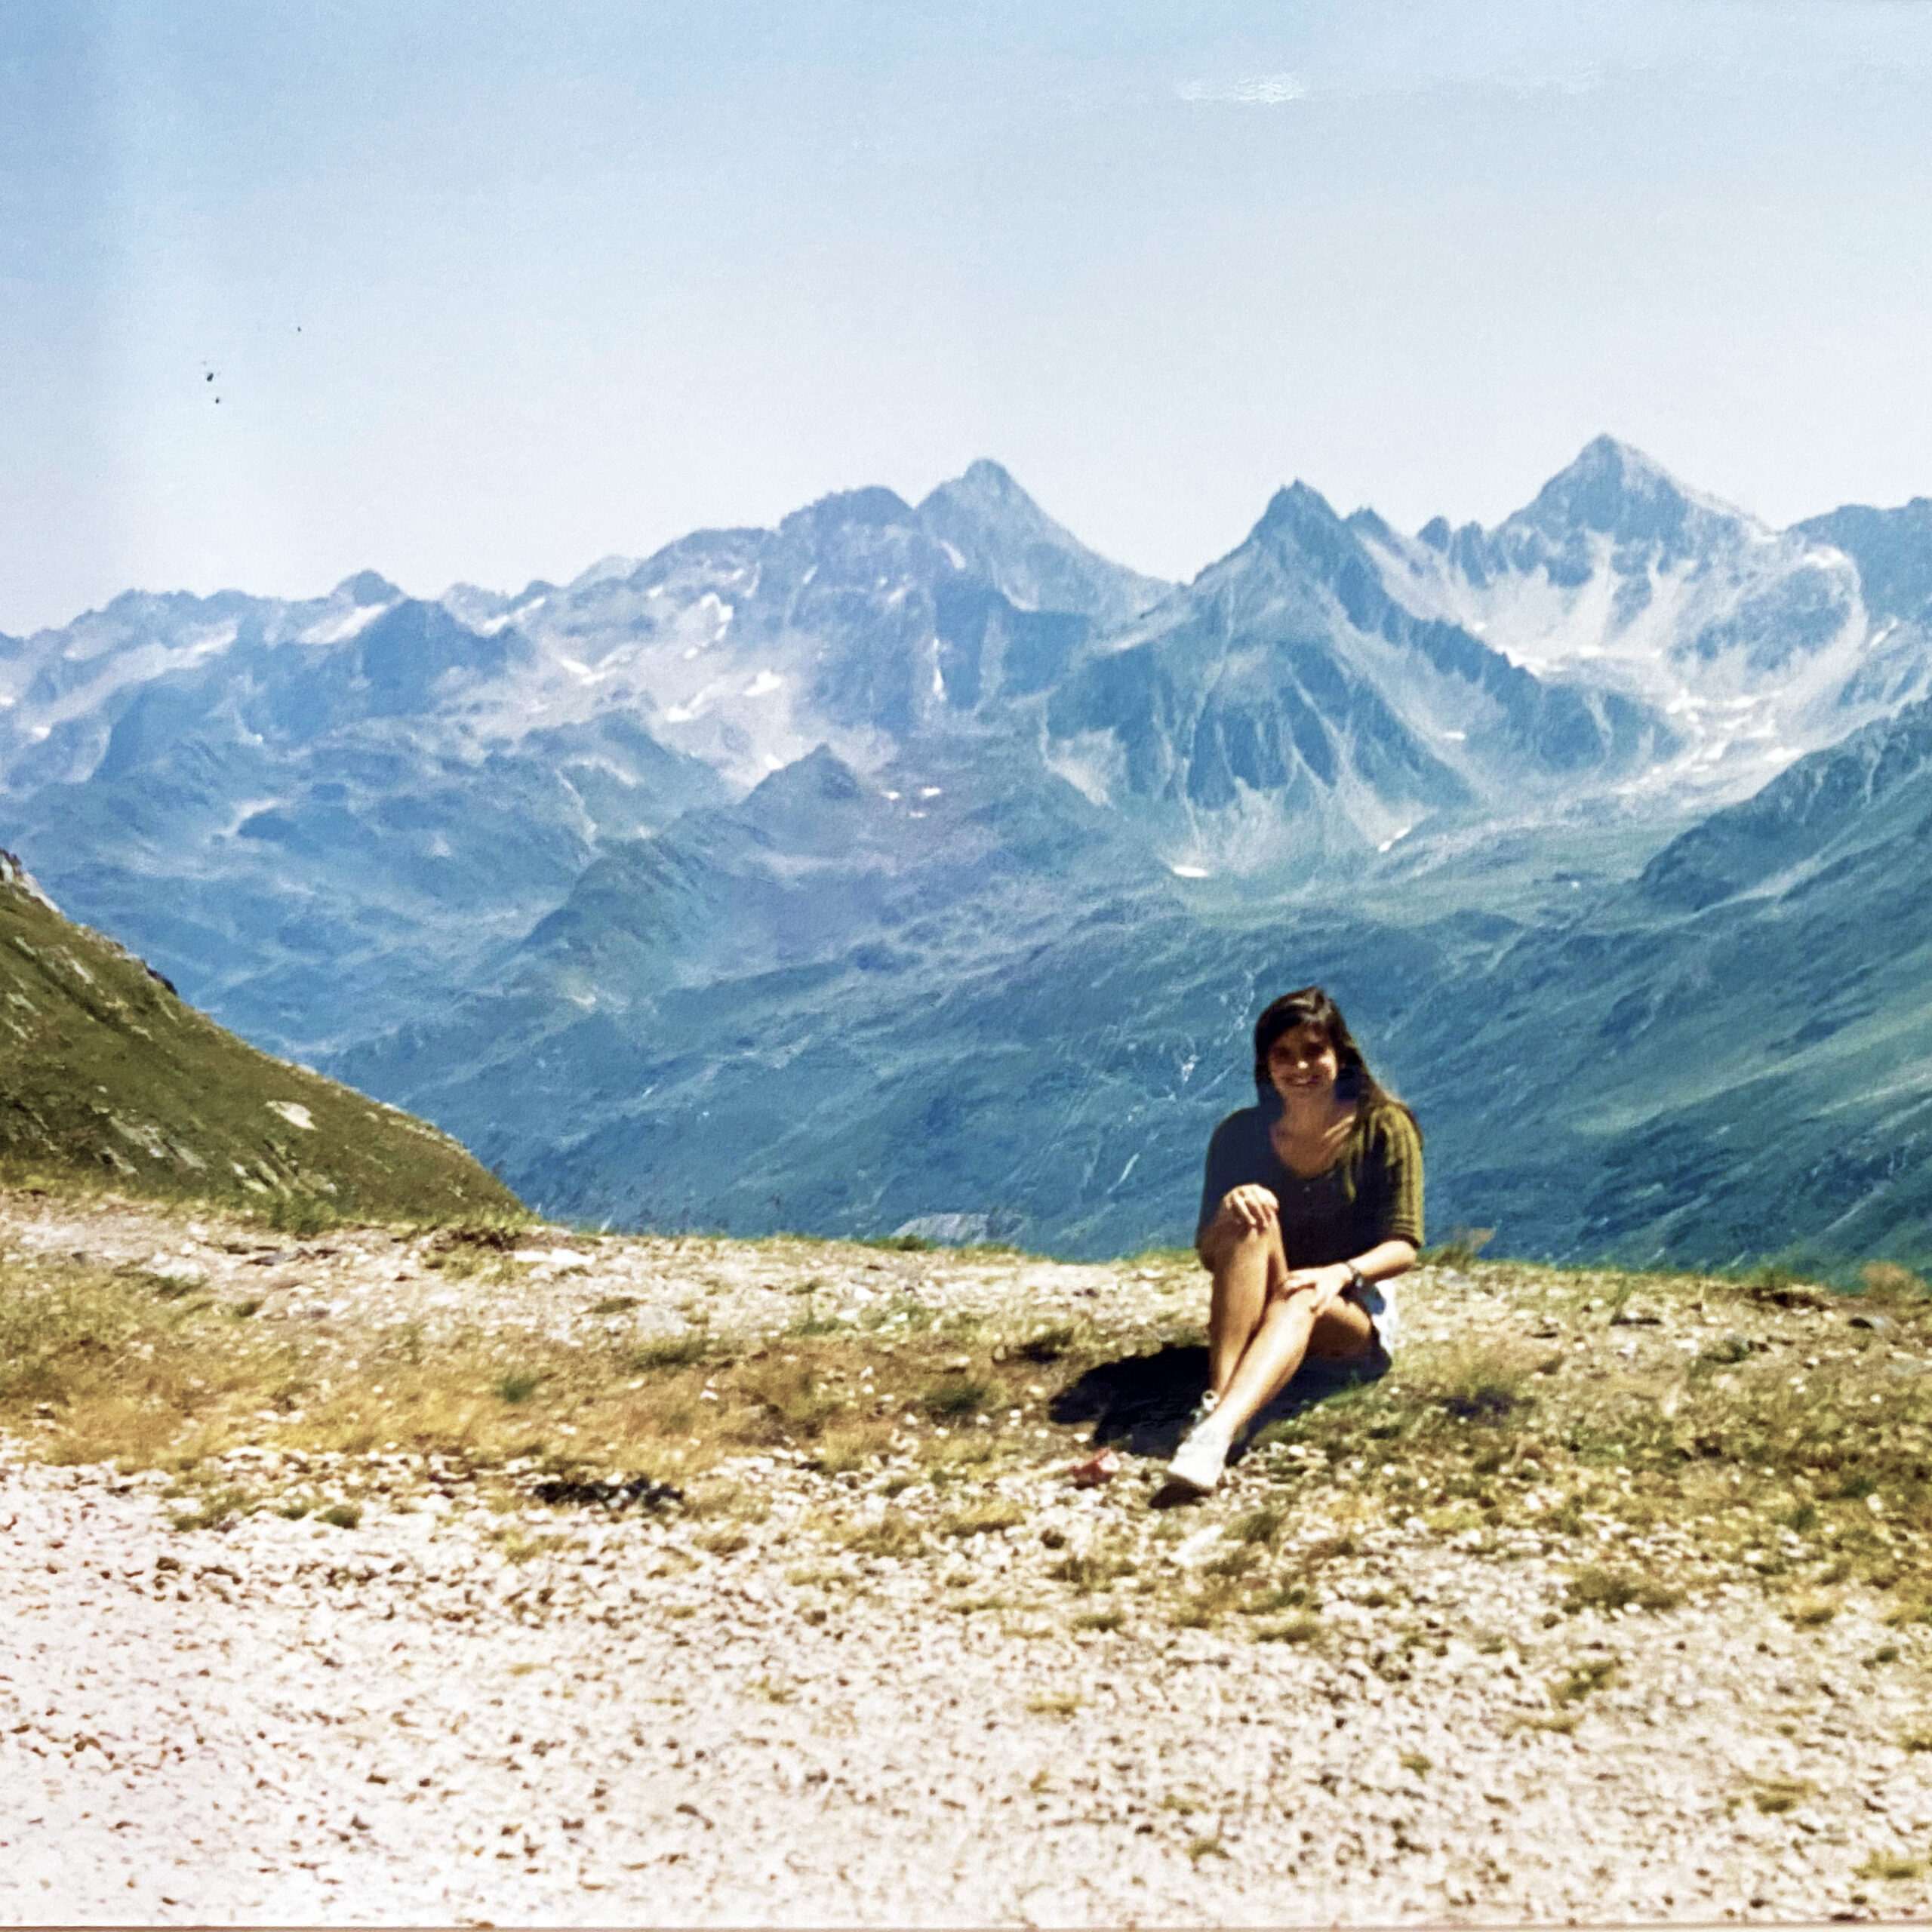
{"points": [[1358, 1280]]}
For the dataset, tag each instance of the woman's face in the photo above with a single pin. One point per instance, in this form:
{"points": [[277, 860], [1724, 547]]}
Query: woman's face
{"points": [[1303, 1061]]}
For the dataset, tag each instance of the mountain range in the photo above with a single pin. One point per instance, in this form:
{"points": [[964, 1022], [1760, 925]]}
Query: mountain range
{"points": [[913, 860]]}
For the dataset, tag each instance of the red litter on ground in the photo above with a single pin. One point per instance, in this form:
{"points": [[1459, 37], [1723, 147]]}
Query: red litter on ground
{"points": [[1102, 1467]]}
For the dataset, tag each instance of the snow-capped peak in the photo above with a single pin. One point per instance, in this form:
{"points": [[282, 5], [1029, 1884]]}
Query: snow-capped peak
{"points": [[1617, 574], [1618, 491]]}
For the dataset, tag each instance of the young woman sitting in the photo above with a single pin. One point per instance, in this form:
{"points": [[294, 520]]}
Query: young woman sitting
{"points": [[1313, 1204]]}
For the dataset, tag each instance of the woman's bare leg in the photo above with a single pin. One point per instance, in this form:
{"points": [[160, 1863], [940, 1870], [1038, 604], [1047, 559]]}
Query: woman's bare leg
{"points": [[1246, 1262], [1287, 1332]]}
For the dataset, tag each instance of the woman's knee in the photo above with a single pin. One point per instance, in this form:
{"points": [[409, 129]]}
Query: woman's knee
{"points": [[1228, 1240]]}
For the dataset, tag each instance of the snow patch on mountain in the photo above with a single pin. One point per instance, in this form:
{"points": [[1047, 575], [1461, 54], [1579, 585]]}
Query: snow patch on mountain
{"points": [[1751, 641], [339, 627]]}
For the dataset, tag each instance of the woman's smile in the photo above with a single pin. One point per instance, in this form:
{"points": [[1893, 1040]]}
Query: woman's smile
{"points": [[1303, 1060]]}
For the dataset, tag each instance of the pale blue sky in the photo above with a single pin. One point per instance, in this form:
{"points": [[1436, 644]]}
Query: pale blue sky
{"points": [[489, 290]]}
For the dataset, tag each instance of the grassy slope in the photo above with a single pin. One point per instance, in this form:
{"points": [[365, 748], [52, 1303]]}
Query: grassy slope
{"points": [[105, 1075]]}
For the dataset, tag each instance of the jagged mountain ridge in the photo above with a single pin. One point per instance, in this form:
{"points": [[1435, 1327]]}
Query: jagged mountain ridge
{"points": [[1756, 644], [1586, 1080], [859, 622], [999, 532], [302, 835], [1284, 700], [357, 801]]}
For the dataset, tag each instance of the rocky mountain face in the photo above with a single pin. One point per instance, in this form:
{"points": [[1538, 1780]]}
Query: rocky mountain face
{"points": [[323, 815], [907, 861], [1286, 705], [1756, 643], [859, 623], [1892, 551], [299, 811]]}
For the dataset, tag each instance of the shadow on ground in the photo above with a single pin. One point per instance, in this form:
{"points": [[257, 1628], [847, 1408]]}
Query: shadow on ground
{"points": [[1142, 1403]]}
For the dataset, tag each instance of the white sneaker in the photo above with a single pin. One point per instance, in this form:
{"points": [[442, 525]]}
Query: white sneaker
{"points": [[1198, 1462]]}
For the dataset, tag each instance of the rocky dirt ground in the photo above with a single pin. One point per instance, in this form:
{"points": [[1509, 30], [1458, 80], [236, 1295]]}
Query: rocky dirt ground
{"points": [[1496, 1669]]}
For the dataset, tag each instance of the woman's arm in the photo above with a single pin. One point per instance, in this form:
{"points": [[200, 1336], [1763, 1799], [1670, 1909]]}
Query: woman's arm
{"points": [[1387, 1259], [1248, 1209], [1382, 1263]]}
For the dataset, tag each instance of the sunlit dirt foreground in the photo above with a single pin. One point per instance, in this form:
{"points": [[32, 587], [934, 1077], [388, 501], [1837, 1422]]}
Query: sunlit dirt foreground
{"points": [[505, 1573]]}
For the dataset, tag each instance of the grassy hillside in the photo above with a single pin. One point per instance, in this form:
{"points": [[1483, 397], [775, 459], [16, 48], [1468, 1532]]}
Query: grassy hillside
{"points": [[105, 1075]]}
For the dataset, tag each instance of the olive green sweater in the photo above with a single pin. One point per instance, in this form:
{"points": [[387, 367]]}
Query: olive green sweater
{"points": [[1372, 1193]]}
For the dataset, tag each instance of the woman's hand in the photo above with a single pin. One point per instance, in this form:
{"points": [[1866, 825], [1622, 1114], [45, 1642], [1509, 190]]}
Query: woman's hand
{"points": [[1251, 1207], [1326, 1286]]}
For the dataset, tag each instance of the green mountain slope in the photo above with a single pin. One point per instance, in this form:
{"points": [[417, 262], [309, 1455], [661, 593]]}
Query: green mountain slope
{"points": [[106, 1074], [1729, 1056]]}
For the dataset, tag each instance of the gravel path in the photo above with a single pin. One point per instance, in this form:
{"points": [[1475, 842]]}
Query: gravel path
{"points": [[641, 1718]]}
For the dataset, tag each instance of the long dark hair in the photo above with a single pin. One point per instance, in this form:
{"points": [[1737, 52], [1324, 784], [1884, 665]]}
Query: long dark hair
{"points": [[1309, 1006]]}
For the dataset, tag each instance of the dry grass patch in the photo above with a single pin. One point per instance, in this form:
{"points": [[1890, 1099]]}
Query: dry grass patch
{"points": [[1282, 1596], [1048, 1344], [520, 1545], [954, 1396], [985, 1518], [1053, 1704], [1595, 1587], [212, 1507], [819, 1576], [1811, 1611], [1788, 1419], [1219, 1595], [98, 1365], [1484, 1379], [948, 1458], [972, 1606], [487, 1270], [1775, 1796], [1583, 1679], [1888, 1282], [1562, 1724], [672, 1351], [893, 1534], [1892, 1867], [1291, 1630], [1799, 1453], [1233, 1564], [1257, 1526], [1090, 1571]]}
